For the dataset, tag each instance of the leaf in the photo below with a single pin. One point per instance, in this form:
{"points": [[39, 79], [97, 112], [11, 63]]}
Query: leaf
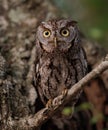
{"points": [[68, 110], [96, 118], [84, 106]]}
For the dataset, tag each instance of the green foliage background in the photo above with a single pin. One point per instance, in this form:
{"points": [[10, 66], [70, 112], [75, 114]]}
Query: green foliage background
{"points": [[92, 17]]}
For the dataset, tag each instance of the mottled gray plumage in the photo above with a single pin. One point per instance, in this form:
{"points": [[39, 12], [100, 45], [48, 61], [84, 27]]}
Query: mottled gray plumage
{"points": [[60, 59]]}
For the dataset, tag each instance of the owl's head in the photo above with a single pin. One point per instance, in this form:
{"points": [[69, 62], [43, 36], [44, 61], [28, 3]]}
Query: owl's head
{"points": [[57, 35]]}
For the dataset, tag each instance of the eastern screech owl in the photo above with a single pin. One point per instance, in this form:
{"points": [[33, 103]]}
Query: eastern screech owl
{"points": [[60, 59]]}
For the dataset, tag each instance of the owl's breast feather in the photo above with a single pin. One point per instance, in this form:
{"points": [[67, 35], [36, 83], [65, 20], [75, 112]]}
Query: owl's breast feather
{"points": [[56, 74]]}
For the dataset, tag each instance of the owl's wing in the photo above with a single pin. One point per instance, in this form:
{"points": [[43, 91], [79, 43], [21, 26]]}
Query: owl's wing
{"points": [[36, 81], [36, 75], [84, 61], [37, 85], [38, 55], [80, 64]]}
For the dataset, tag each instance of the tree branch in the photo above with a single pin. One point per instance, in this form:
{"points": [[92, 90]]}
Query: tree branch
{"points": [[44, 114]]}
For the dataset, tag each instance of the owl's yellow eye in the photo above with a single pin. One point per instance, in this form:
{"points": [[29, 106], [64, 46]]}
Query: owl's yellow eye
{"points": [[65, 32], [46, 33]]}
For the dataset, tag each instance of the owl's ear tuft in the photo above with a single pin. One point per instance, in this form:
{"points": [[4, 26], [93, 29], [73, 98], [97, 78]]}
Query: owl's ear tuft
{"points": [[72, 23]]}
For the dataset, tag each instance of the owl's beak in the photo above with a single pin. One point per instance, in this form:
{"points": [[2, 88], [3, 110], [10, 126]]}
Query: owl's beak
{"points": [[55, 41]]}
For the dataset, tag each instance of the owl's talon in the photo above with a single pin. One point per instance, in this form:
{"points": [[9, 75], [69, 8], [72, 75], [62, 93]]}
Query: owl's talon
{"points": [[58, 101], [49, 103]]}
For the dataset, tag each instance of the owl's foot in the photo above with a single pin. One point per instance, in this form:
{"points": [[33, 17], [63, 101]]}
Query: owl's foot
{"points": [[58, 100]]}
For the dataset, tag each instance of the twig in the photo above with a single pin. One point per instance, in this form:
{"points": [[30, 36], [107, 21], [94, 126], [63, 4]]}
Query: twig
{"points": [[43, 115]]}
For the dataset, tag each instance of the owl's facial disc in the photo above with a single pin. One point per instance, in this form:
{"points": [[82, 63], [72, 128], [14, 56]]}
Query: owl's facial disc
{"points": [[55, 38]]}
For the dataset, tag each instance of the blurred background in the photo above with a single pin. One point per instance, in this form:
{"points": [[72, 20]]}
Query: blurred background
{"points": [[92, 17]]}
